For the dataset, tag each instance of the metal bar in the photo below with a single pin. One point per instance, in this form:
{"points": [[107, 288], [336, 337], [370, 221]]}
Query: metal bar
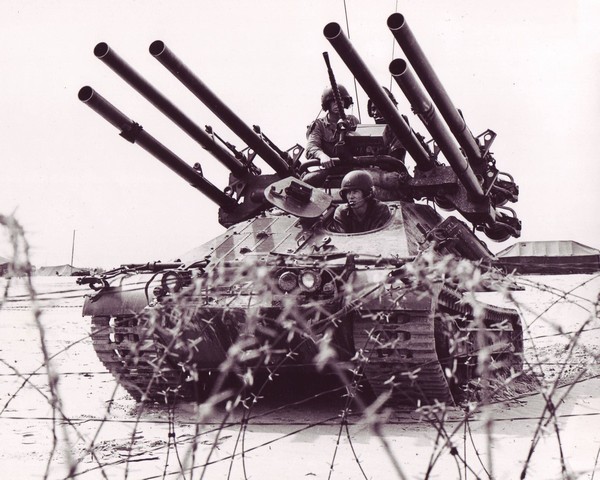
{"points": [[134, 133], [405, 38], [160, 51], [148, 91], [425, 110]]}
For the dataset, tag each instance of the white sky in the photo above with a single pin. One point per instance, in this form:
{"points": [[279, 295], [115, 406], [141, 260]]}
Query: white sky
{"points": [[530, 71]]}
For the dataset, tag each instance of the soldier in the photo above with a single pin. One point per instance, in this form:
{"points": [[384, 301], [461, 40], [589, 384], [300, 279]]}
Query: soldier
{"points": [[362, 212], [322, 134], [393, 145]]}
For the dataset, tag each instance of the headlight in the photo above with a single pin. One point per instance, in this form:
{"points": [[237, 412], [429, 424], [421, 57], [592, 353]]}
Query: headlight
{"points": [[287, 281], [310, 280]]}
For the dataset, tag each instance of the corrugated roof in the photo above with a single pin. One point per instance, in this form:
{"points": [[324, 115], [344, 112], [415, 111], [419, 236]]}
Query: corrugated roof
{"points": [[548, 248]]}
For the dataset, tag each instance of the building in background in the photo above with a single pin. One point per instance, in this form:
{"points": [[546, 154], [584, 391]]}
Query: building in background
{"points": [[549, 257], [65, 270]]}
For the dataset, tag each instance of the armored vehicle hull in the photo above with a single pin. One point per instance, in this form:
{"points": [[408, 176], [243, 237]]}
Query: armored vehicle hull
{"points": [[390, 311], [246, 305]]}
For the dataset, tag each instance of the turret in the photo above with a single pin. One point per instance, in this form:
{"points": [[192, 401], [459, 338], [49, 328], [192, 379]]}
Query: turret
{"points": [[471, 185], [333, 32], [473, 163]]}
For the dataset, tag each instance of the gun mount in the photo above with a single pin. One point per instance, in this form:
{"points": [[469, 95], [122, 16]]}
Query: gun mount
{"points": [[281, 263], [333, 32], [470, 187], [243, 197]]}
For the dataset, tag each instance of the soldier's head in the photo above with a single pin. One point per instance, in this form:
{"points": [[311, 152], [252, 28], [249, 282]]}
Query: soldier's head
{"points": [[328, 98], [357, 186], [374, 111]]}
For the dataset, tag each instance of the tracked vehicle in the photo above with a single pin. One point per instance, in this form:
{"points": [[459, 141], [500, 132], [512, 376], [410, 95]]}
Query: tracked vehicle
{"points": [[280, 291]]}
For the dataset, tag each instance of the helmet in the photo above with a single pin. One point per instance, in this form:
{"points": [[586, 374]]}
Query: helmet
{"points": [[357, 180], [327, 96], [372, 109]]}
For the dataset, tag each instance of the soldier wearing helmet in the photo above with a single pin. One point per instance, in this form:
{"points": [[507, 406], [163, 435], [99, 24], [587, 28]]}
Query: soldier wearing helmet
{"points": [[393, 145], [362, 211], [322, 134]]}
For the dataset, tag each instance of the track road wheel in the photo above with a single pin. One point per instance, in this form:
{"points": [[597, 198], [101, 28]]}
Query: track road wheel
{"points": [[135, 360]]}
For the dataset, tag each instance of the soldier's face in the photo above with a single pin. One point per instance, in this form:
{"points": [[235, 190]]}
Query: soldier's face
{"points": [[377, 116], [333, 107], [355, 198]]}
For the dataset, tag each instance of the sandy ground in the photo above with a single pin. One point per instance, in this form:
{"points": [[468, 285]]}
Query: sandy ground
{"points": [[292, 439]]}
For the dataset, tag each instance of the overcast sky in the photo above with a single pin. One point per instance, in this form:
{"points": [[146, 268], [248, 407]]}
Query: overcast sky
{"points": [[530, 71]]}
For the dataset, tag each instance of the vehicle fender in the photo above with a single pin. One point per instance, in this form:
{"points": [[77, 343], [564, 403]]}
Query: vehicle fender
{"points": [[125, 295]]}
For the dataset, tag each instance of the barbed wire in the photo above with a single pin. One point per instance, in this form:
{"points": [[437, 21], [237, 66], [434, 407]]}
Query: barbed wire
{"points": [[236, 391]]}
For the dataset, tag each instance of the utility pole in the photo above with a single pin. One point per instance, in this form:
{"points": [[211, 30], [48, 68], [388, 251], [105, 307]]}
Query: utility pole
{"points": [[72, 248]]}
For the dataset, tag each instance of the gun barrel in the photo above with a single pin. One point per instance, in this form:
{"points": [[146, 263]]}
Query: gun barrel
{"points": [[160, 51], [148, 91], [407, 41], [425, 110], [333, 32], [135, 134]]}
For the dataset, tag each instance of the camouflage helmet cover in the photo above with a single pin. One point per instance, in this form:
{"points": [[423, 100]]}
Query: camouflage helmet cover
{"points": [[327, 96]]}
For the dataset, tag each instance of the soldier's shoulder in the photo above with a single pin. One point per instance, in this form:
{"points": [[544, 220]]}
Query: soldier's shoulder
{"points": [[379, 206], [341, 211], [313, 125]]}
